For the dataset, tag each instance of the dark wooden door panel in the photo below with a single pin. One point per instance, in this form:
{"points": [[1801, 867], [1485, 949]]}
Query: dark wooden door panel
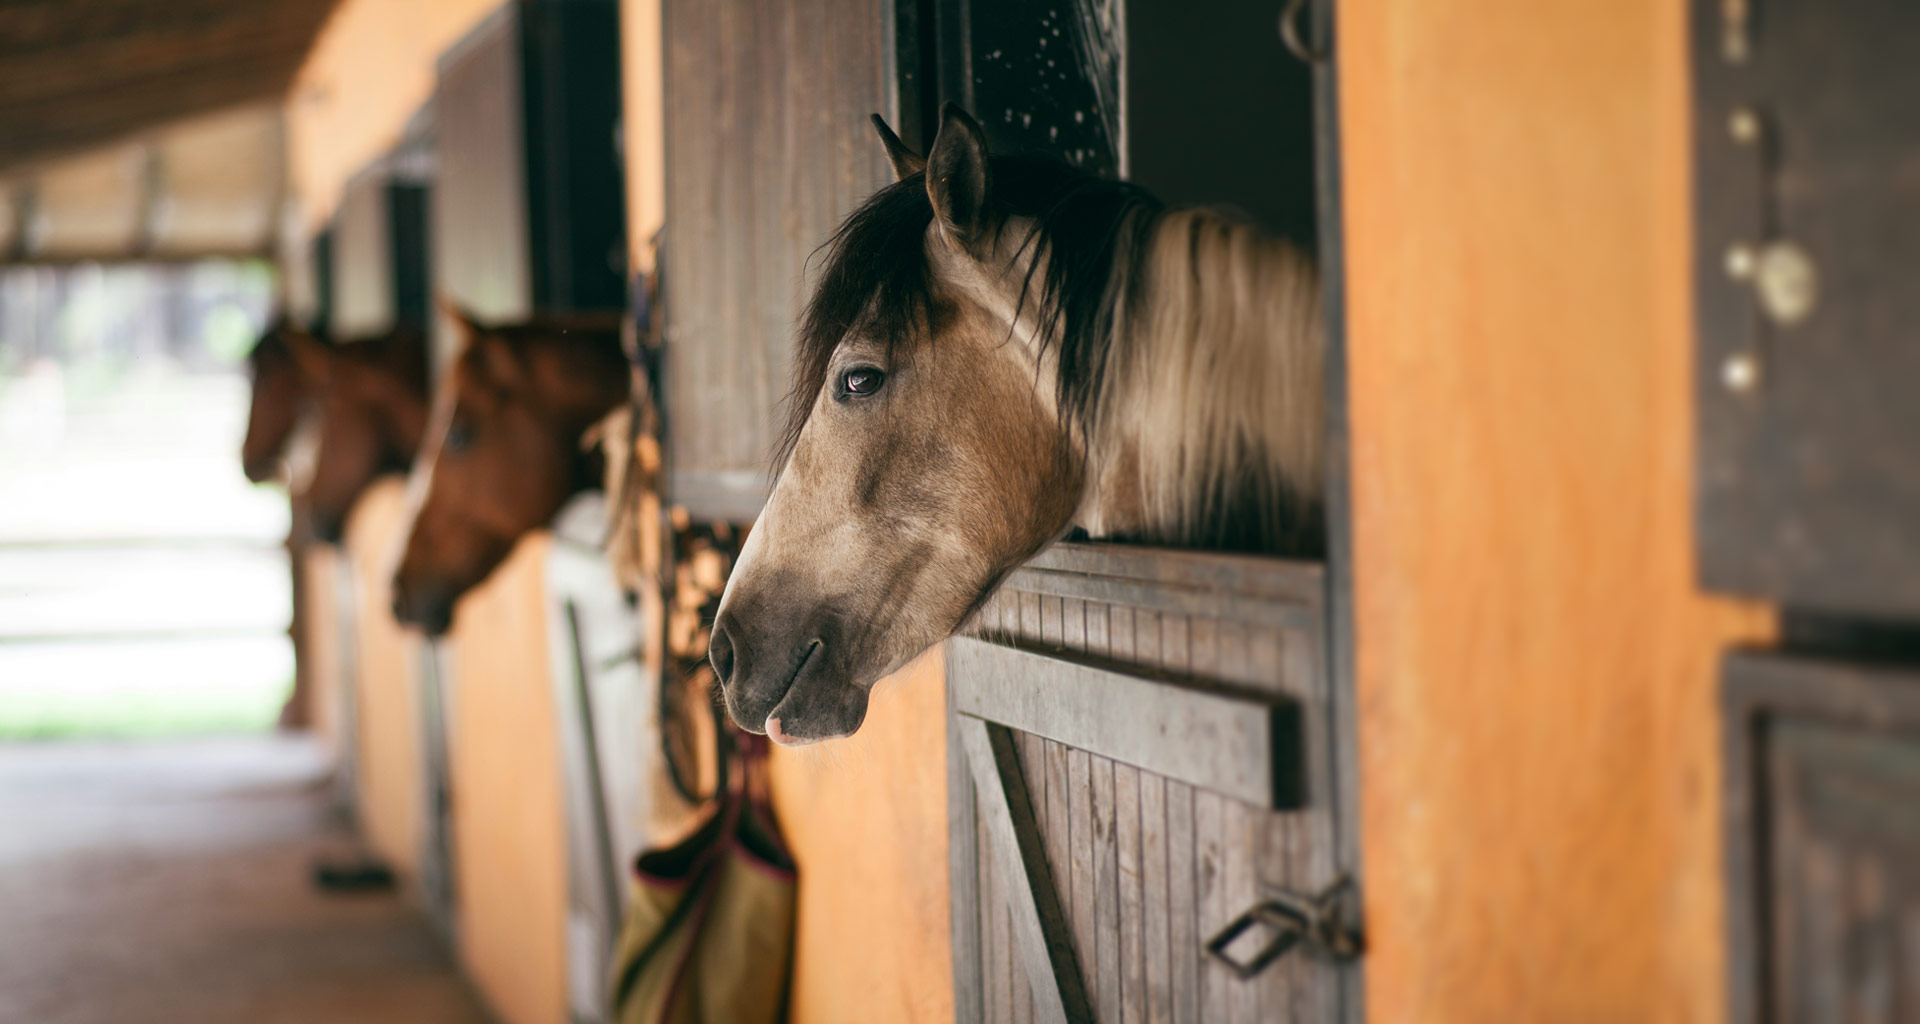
{"points": [[380, 253], [1823, 808], [1807, 137], [1846, 873], [481, 250], [529, 199]]}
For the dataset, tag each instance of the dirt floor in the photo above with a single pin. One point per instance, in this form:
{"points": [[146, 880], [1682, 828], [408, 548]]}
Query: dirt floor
{"points": [[167, 881]]}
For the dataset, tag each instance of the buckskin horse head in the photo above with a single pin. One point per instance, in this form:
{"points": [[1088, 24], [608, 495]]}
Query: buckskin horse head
{"points": [[505, 452], [371, 399], [999, 349]]}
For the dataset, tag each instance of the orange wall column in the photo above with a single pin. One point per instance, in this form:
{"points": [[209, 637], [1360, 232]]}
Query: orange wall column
{"points": [[1537, 724], [371, 67], [392, 789], [509, 818], [866, 818]]}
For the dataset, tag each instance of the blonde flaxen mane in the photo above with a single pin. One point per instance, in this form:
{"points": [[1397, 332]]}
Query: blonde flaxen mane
{"points": [[1211, 410]]}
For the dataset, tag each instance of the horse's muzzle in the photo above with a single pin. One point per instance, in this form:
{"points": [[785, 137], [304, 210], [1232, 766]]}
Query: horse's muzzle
{"points": [[802, 682], [428, 607], [328, 528]]}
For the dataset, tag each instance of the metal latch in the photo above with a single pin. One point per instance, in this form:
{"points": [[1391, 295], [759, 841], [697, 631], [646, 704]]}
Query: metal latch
{"points": [[1326, 925]]}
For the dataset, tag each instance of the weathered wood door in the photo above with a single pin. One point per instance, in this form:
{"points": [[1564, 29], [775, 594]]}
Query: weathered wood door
{"points": [[767, 149], [1808, 235], [1140, 757]]}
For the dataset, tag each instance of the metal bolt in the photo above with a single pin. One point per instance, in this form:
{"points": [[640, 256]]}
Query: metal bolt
{"points": [[1744, 126], [1787, 282], [1740, 373], [1740, 261]]}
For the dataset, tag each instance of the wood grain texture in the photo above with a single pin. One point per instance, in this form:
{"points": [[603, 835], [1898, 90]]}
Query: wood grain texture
{"points": [[1535, 664], [84, 73], [767, 148], [1147, 880]]}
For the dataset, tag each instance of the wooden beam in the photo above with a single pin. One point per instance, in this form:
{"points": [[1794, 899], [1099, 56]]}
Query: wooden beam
{"points": [[82, 73], [1248, 747], [1033, 901]]}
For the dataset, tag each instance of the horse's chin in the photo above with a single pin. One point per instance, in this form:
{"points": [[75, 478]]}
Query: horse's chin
{"points": [[816, 712]]}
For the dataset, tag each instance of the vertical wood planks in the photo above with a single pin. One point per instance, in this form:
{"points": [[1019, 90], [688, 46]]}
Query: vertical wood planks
{"points": [[1183, 902], [999, 939], [1155, 949], [1082, 845], [1059, 831], [751, 157], [1126, 843], [1148, 868], [1106, 894]]}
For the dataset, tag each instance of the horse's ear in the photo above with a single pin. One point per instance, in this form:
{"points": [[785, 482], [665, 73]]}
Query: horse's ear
{"points": [[959, 181], [462, 318], [497, 359], [312, 355], [906, 163]]}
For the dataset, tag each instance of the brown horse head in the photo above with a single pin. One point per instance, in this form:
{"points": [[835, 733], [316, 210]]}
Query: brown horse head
{"points": [[371, 397], [508, 451], [279, 396], [999, 349]]}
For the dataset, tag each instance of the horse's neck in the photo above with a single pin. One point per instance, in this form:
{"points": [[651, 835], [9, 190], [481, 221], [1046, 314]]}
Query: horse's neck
{"points": [[1210, 424], [588, 377], [407, 414]]}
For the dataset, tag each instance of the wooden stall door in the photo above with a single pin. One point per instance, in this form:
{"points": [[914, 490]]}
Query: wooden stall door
{"points": [[767, 149], [1139, 758], [1808, 235]]}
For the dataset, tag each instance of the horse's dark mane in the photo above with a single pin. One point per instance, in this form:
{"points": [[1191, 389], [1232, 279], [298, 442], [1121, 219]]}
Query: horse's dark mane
{"points": [[1087, 239]]}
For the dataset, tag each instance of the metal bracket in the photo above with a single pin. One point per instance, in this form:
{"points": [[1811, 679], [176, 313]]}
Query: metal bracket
{"points": [[1327, 925]]}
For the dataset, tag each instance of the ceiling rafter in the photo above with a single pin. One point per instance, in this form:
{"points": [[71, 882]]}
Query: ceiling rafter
{"points": [[76, 74]]}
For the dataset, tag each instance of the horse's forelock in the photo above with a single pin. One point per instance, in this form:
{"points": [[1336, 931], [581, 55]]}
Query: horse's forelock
{"points": [[875, 275]]}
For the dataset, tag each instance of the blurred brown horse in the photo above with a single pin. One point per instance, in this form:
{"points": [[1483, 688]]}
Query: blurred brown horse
{"points": [[508, 449], [372, 401], [280, 395]]}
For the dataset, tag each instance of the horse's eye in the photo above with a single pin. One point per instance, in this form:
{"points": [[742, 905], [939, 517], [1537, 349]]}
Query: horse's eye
{"points": [[459, 435], [861, 381]]}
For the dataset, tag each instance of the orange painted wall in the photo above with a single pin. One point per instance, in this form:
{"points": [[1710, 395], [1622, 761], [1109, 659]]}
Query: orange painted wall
{"points": [[368, 72], [643, 117], [320, 644], [866, 818], [509, 824], [387, 659], [1537, 731]]}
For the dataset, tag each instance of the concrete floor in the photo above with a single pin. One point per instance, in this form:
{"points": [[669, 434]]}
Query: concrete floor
{"points": [[166, 882]]}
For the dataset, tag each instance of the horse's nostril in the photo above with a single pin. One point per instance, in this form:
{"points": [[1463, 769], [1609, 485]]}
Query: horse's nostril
{"points": [[328, 529], [720, 652]]}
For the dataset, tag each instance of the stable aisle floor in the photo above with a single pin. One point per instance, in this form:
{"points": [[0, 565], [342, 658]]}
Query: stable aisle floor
{"points": [[161, 882]]}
